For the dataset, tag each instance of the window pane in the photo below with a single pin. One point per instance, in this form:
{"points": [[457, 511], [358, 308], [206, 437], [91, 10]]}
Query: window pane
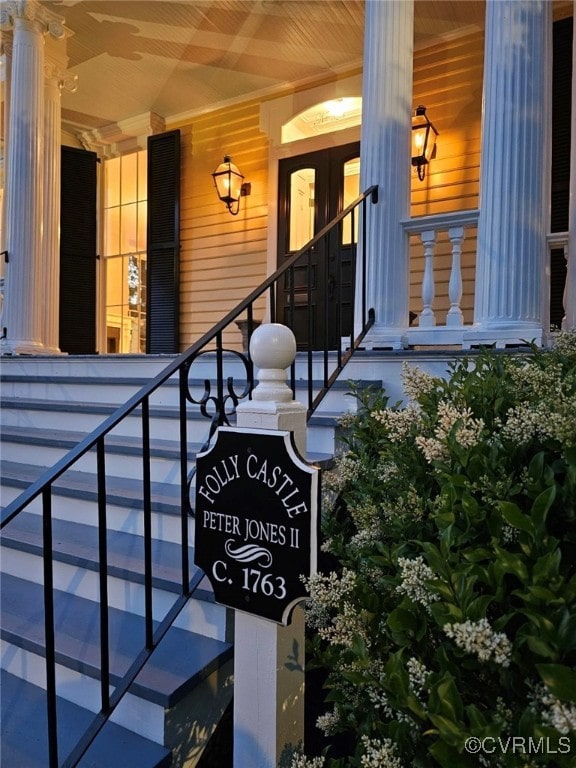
{"points": [[142, 220], [129, 178], [128, 230], [142, 175], [351, 192], [301, 207], [112, 183], [112, 232]]}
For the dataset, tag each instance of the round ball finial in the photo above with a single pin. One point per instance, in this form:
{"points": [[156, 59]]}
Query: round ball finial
{"points": [[273, 346]]}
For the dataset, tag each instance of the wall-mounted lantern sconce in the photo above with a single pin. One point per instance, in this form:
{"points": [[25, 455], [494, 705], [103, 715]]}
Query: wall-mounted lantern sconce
{"points": [[423, 141], [230, 185]]}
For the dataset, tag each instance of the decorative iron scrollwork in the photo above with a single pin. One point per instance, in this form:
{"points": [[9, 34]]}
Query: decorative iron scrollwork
{"points": [[220, 398]]}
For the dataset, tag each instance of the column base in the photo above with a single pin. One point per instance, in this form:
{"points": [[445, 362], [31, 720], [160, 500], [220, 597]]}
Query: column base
{"points": [[501, 336], [13, 347], [379, 337]]}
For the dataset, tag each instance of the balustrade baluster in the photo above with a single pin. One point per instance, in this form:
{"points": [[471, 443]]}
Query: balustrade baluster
{"points": [[427, 317], [454, 316]]}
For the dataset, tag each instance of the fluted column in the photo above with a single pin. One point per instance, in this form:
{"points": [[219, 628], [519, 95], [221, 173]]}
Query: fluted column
{"points": [[511, 284], [55, 80], [385, 153], [570, 292], [22, 312]]}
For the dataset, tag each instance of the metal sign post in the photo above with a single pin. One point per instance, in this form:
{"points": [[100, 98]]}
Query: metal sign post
{"points": [[256, 537]]}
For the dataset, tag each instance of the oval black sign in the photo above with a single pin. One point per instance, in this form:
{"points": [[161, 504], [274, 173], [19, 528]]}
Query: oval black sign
{"points": [[256, 521]]}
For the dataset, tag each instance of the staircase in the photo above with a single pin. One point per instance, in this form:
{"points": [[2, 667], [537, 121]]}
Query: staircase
{"points": [[175, 703]]}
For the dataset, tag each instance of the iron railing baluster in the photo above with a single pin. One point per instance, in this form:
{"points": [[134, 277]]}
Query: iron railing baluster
{"points": [[184, 485], [49, 628], [147, 511], [103, 575]]}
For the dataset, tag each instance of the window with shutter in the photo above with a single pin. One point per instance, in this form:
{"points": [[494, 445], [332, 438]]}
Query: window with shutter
{"points": [[78, 252], [163, 243]]}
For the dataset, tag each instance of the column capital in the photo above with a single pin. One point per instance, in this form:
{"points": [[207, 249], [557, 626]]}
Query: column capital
{"points": [[32, 11]]}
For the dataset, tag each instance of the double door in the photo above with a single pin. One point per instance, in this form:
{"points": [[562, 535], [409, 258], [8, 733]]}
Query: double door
{"points": [[316, 298]]}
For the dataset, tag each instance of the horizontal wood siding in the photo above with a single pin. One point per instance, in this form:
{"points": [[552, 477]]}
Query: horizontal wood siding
{"points": [[223, 257], [448, 82]]}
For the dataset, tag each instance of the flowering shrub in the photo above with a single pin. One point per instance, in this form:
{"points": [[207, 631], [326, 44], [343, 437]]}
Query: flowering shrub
{"points": [[447, 625]]}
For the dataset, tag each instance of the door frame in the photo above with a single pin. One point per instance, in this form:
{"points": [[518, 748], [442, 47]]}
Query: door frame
{"points": [[273, 115], [282, 152]]}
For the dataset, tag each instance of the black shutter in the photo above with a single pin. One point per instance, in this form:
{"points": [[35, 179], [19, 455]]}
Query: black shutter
{"points": [[561, 128], [78, 252], [163, 243]]}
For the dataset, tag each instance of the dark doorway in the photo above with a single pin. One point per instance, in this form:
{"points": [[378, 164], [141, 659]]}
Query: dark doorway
{"points": [[313, 189]]}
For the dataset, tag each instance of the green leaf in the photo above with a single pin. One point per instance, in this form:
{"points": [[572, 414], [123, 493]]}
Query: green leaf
{"points": [[450, 731], [514, 516], [542, 505], [559, 679], [401, 620]]}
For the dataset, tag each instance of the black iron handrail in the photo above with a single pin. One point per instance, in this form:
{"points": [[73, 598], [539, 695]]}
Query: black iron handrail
{"points": [[219, 407]]}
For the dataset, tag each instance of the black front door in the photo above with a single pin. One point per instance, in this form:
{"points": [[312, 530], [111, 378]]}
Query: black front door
{"points": [[317, 301]]}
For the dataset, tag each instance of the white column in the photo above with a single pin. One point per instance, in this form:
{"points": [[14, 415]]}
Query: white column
{"points": [[269, 658], [51, 212], [569, 321], [385, 153], [511, 282], [55, 81], [22, 312]]}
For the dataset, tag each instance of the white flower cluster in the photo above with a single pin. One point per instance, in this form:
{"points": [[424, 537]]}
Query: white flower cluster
{"points": [[414, 573], [561, 715], [301, 761], [348, 467], [345, 627], [565, 342], [379, 753], [365, 537], [417, 675], [347, 419], [416, 382], [547, 407], [326, 593], [398, 424], [379, 700], [546, 419], [478, 637], [328, 722], [466, 429]]}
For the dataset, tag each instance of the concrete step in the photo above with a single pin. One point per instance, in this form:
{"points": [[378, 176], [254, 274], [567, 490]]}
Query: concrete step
{"points": [[25, 733], [47, 446], [76, 569], [180, 662]]}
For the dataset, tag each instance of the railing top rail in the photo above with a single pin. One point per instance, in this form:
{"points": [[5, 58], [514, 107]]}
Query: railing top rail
{"points": [[54, 472], [441, 221]]}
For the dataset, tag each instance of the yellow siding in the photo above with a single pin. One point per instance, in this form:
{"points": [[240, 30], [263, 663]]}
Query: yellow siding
{"points": [[448, 82], [223, 257]]}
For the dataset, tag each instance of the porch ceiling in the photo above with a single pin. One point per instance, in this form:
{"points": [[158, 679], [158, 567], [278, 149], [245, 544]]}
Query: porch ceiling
{"points": [[177, 56]]}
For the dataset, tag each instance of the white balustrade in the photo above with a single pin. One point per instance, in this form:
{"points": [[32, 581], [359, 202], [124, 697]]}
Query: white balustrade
{"points": [[429, 329]]}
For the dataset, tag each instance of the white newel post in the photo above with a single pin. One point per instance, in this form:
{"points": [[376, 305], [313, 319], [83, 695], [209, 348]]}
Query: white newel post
{"points": [[268, 694], [511, 281], [385, 152]]}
